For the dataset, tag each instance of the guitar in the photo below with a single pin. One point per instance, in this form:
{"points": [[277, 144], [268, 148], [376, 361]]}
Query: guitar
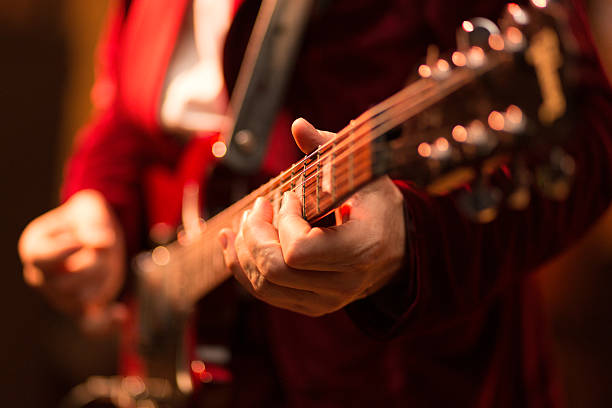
{"points": [[517, 79]]}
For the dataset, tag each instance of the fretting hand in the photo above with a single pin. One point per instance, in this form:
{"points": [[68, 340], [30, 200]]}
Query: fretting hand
{"points": [[313, 270]]}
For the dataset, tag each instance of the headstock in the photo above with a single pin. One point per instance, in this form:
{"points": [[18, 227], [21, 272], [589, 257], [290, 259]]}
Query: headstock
{"points": [[511, 113]]}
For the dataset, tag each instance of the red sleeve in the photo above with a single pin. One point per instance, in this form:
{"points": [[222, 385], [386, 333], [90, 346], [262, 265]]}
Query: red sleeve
{"points": [[109, 153], [454, 266]]}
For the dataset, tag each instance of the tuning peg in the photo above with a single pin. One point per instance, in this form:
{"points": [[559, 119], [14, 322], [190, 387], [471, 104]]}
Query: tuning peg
{"points": [[481, 203], [479, 33], [439, 70], [554, 179], [514, 15], [475, 139], [511, 120]]}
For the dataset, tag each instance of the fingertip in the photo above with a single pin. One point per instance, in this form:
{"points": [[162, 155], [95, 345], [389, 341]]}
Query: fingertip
{"points": [[301, 124], [259, 205], [306, 135], [33, 276], [245, 216], [226, 239], [289, 203]]}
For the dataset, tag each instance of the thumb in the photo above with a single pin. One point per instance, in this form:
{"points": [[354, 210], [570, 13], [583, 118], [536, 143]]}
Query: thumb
{"points": [[307, 137]]}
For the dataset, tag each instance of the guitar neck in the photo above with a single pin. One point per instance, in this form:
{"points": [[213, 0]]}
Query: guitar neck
{"points": [[324, 179]]}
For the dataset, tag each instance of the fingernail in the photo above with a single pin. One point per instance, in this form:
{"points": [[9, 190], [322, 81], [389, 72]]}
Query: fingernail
{"points": [[258, 204], [245, 215], [223, 241]]}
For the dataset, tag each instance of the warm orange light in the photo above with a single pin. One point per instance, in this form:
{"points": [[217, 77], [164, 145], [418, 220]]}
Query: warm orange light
{"points": [[514, 8], [459, 134], [514, 114], [160, 256], [424, 149], [424, 71], [206, 377], [459, 59], [219, 149], [476, 56], [496, 42], [468, 26], [476, 130], [496, 120], [518, 13], [540, 3], [198, 367], [514, 35], [441, 144], [442, 65]]}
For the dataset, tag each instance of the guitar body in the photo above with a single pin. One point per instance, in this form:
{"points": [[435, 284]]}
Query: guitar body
{"points": [[202, 352]]}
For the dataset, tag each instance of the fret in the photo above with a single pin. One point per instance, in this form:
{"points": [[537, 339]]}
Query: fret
{"points": [[304, 189], [333, 171], [351, 157], [318, 171], [292, 179], [276, 203]]}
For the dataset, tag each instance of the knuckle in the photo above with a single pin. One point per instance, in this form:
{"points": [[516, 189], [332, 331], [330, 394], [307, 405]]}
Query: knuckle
{"points": [[295, 255], [258, 282], [271, 261]]}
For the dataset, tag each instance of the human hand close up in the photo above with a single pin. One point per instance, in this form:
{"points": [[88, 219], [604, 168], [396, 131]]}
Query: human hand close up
{"points": [[318, 270], [75, 255]]}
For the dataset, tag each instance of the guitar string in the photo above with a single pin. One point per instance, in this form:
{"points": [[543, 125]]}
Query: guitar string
{"points": [[356, 126], [374, 132], [370, 134]]}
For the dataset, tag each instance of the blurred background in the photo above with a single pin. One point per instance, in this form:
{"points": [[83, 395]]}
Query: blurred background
{"points": [[47, 70]]}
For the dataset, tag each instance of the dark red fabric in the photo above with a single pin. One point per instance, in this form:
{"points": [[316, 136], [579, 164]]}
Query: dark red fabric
{"points": [[470, 333]]}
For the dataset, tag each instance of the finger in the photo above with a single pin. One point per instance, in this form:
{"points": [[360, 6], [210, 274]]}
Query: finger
{"points": [[226, 239], [261, 257], [307, 137], [82, 260], [85, 276], [33, 276], [49, 256], [47, 239], [322, 249], [296, 300]]}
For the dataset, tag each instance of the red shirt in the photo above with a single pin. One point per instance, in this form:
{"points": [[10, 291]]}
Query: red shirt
{"points": [[461, 324]]}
